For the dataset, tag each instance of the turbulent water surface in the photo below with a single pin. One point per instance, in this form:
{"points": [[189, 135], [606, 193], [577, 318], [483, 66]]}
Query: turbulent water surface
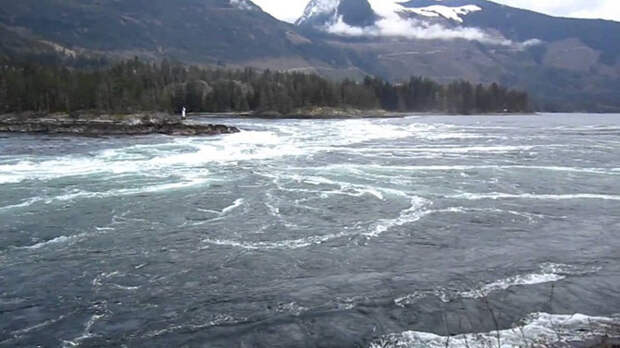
{"points": [[421, 232]]}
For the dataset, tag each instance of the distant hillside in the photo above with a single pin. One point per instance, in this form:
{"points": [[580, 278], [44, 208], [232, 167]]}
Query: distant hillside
{"points": [[200, 31], [565, 64]]}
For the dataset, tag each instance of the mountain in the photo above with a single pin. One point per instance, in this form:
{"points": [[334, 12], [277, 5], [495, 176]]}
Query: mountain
{"points": [[565, 64], [568, 64], [232, 32], [354, 12]]}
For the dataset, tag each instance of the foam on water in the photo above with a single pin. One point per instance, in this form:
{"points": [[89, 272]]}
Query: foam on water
{"points": [[216, 320], [67, 240], [465, 210], [80, 194], [554, 197], [447, 168], [282, 244], [86, 334], [344, 188], [537, 330], [180, 157], [480, 149], [57, 240], [407, 216], [23, 204], [413, 213], [359, 131], [236, 204], [21, 332], [547, 273]]}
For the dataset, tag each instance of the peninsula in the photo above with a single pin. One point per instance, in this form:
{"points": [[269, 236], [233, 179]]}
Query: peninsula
{"points": [[101, 125]]}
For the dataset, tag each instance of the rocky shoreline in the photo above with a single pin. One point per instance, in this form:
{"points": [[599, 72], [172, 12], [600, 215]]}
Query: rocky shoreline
{"points": [[101, 125]]}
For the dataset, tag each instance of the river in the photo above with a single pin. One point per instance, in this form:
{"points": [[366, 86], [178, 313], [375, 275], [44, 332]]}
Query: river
{"points": [[425, 231]]}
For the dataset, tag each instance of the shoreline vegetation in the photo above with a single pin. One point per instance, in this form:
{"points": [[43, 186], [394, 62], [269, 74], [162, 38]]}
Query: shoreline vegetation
{"points": [[134, 86], [135, 98]]}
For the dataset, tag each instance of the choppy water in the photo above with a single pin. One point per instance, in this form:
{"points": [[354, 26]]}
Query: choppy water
{"points": [[421, 232]]}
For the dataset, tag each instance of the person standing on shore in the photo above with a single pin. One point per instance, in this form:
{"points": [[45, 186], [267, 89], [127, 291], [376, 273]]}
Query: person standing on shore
{"points": [[183, 113]]}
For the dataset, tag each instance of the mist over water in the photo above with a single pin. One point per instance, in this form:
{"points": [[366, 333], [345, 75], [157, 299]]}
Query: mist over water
{"points": [[406, 232]]}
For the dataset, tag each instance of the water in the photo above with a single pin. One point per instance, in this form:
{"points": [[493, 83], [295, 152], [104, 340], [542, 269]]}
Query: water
{"points": [[423, 231]]}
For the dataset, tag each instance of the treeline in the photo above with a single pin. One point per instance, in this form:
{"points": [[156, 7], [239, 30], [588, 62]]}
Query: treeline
{"points": [[133, 86]]}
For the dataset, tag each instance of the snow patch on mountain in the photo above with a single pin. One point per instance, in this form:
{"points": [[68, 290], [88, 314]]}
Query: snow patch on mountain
{"points": [[318, 7], [451, 13], [391, 7]]}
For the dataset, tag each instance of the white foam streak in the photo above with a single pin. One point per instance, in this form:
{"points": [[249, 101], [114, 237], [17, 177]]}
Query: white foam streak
{"points": [[468, 149], [345, 188], [358, 131], [537, 330], [412, 214], [86, 334], [464, 210], [283, 244], [21, 332], [442, 168], [219, 319], [68, 240], [79, 194], [57, 240], [547, 273], [555, 197], [236, 204], [23, 204]]}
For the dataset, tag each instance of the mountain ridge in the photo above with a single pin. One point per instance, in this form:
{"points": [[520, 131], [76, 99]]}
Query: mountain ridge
{"points": [[566, 64]]}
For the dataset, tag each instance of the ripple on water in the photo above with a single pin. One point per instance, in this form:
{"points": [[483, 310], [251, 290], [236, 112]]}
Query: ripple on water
{"points": [[306, 189]]}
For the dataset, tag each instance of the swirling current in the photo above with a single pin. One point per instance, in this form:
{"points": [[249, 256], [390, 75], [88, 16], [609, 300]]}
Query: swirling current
{"points": [[424, 231]]}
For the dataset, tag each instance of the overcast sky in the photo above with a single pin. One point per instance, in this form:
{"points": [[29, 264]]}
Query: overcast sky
{"points": [[290, 10]]}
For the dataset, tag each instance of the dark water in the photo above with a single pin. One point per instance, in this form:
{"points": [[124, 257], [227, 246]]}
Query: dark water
{"points": [[332, 233]]}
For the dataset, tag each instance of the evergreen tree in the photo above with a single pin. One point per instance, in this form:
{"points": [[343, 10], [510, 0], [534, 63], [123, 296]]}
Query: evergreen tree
{"points": [[133, 86]]}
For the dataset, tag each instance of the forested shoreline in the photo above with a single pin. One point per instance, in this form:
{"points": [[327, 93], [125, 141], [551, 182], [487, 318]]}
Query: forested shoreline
{"points": [[135, 86]]}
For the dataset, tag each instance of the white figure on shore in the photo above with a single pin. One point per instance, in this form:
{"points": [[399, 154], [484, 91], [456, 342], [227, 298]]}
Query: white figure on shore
{"points": [[183, 112]]}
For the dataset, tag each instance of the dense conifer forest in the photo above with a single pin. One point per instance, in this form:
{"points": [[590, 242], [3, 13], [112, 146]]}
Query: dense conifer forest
{"points": [[135, 86]]}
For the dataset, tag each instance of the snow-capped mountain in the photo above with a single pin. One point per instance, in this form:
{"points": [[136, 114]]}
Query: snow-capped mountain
{"points": [[559, 59], [421, 19], [354, 12], [406, 18], [318, 8], [319, 12]]}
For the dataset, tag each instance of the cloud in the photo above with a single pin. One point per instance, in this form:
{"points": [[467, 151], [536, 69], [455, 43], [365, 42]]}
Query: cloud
{"points": [[414, 29], [395, 25]]}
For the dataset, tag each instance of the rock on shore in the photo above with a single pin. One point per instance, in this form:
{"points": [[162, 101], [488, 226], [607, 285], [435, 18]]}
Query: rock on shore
{"points": [[99, 125]]}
